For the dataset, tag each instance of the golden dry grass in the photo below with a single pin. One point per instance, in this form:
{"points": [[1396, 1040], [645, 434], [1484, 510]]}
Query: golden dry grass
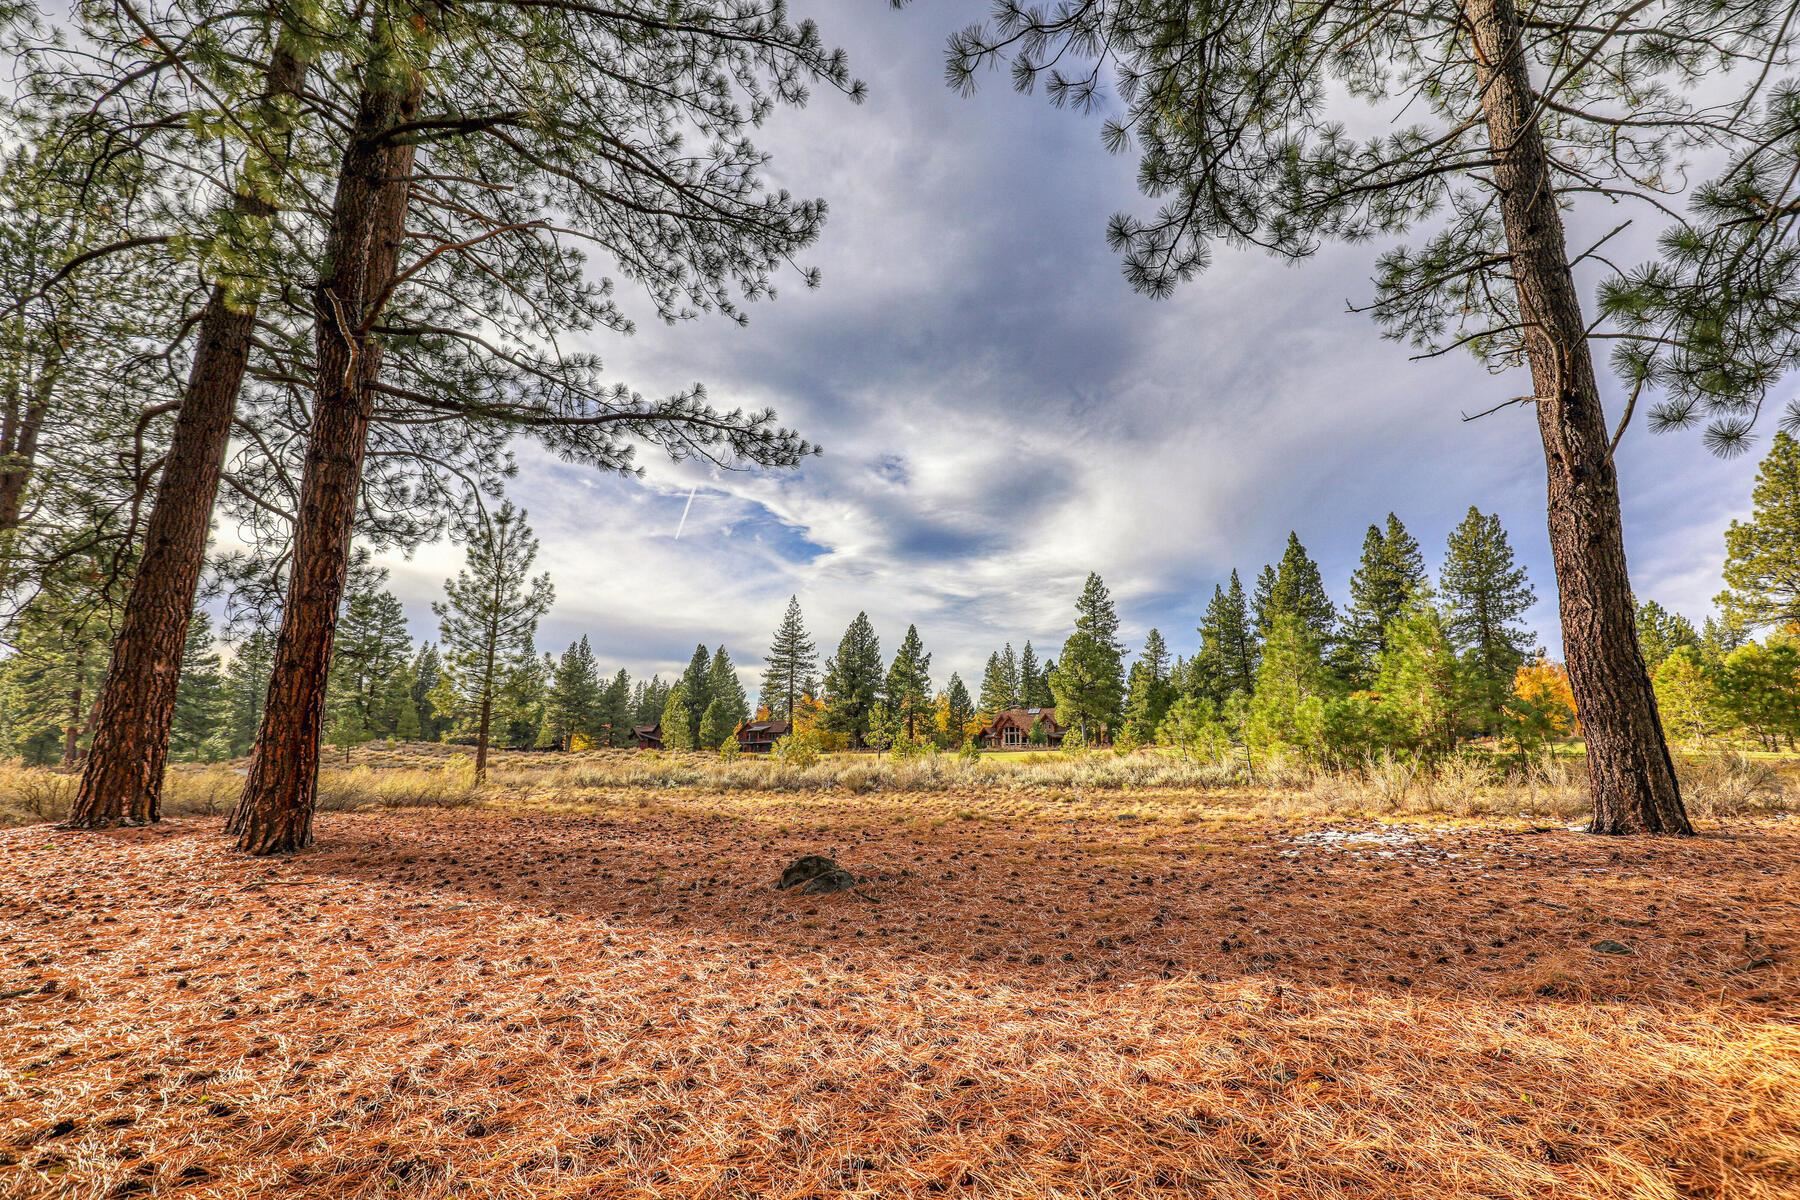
{"points": [[1477, 784], [598, 994]]}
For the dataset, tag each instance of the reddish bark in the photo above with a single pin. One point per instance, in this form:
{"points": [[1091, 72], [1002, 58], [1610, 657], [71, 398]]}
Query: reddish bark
{"points": [[274, 814], [1630, 774], [130, 750]]}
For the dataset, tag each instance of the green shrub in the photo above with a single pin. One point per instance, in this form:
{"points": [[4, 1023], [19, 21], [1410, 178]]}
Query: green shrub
{"points": [[798, 750], [906, 749]]}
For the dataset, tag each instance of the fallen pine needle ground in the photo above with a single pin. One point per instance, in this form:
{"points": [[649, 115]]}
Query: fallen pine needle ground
{"points": [[608, 999]]}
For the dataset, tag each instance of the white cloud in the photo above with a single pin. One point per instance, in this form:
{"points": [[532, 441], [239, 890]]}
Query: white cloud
{"points": [[1001, 414]]}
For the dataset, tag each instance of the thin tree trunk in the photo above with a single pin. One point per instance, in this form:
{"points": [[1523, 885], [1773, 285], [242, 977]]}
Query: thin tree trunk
{"points": [[123, 779], [72, 734], [493, 646], [481, 736], [19, 433], [274, 814], [1630, 774]]}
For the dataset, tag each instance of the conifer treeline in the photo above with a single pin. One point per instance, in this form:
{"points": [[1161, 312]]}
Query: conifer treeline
{"points": [[1280, 670], [1407, 665]]}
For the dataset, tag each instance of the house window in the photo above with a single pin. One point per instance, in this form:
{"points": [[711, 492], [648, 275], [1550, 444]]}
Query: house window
{"points": [[1012, 737]]}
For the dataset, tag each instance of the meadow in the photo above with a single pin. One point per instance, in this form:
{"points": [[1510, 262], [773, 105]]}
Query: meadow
{"points": [[1476, 783], [1070, 976]]}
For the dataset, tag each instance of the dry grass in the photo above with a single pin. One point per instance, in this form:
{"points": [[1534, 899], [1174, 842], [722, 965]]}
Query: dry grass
{"points": [[1474, 785], [1038, 993], [29, 795]]}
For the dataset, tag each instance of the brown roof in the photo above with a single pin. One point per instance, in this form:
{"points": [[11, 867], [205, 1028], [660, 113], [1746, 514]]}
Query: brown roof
{"points": [[777, 728], [1022, 718]]}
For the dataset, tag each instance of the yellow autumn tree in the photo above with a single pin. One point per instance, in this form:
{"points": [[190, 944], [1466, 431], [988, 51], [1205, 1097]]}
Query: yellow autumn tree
{"points": [[809, 715], [1543, 699]]}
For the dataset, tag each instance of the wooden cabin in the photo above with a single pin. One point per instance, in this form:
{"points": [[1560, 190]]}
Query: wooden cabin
{"points": [[1011, 730], [759, 737], [647, 737]]}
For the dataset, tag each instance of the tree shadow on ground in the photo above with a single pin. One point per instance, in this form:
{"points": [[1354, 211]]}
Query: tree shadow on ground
{"points": [[1097, 903]]}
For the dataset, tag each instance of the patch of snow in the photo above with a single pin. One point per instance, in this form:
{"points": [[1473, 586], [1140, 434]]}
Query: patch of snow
{"points": [[1356, 837]]}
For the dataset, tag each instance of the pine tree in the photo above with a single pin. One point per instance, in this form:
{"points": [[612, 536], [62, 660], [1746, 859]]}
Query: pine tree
{"points": [[1259, 606], [1688, 697], [1150, 692], [1088, 680], [1661, 633], [996, 691], [651, 702], [519, 706], [404, 687], [791, 659], [1423, 685], [694, 685], [198, 730], [959, 710], [489, 614], [727, 704], [675, 735], [1485, 594], [245, 687], [1009, 674], [1719, 636], [1295, 588], [717, 724], [573, 705], [617, 709], [1390, 575], [55, 668], [427, 671], [1762, 555], [371, 649], [449, 712], [1034, 687], [907, 688], [1760, 687], [1095, 615], [344, 727], [1228, 655], [1287, 714], [853, 681], [1003, 681]]}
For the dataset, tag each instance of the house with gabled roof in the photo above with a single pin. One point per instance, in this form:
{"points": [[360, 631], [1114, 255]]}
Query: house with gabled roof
{"points": [[1011, 729], [759, 737]]}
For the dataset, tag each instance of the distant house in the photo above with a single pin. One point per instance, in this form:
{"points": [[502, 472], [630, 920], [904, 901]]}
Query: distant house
{"points": [[759, 737], [1011, 730], [647, 737]]}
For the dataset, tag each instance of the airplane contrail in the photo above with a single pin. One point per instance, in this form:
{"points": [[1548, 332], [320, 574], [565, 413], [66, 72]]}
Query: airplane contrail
{"points": [[684, 512]]}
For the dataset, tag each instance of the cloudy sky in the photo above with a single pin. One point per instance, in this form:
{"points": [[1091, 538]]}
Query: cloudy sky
{"points": [[1001, 414]]}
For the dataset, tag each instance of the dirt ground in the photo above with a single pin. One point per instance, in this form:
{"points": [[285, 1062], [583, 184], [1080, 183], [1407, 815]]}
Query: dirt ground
{"points": [[612, 1001]]}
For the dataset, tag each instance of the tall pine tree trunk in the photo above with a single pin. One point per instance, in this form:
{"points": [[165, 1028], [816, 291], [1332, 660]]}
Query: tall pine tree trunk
{"points": [[1630, 773], [130, 750], [274, 814]]}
